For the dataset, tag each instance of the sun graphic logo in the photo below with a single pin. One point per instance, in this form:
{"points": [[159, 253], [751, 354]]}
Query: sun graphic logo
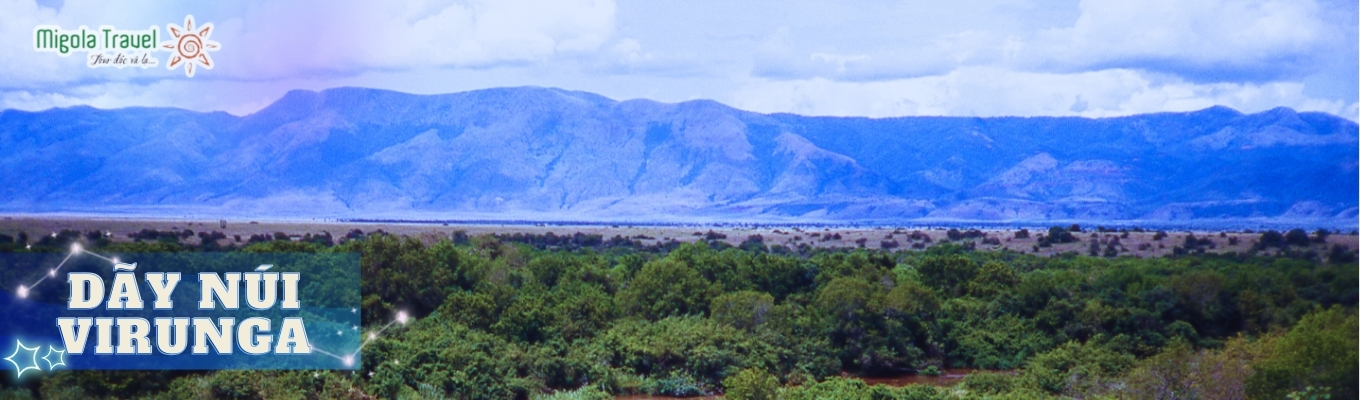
{"points": [[191, 46]]}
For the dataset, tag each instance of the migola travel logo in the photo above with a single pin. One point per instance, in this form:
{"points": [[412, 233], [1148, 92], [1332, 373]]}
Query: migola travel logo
{"points": [[109, 46], [191, 46]]}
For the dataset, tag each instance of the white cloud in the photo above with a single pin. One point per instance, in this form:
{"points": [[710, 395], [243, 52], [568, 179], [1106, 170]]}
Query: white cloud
{"points": [[1208, 40], [990, 91], [291, 38], [913, 57], [1181, 34], [779, 56], [1115, 58], [628, 51], [233, 97]]}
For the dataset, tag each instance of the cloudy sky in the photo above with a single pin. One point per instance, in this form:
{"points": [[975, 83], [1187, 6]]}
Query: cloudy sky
{"points": [[864, 58]]}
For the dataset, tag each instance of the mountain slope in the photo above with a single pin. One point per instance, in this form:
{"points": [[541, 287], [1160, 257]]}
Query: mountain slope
{"points": [[540, 153]]}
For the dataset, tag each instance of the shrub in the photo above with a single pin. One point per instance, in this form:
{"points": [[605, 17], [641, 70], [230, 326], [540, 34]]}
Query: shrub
{"points": [[745, 309], [1296, 237], [1270, 239], [1319, 352], [666, 288], [1076, 368], [1179, 371], [584, 393], [753, 384], [989, 383], [679, 385], [947, 273]]}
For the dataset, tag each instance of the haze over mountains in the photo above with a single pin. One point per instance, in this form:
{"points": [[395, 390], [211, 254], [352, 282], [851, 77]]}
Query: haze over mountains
{"points": [[549, 154]]}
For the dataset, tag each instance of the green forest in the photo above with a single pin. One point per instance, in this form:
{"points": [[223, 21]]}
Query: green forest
{"points": [[581, 316]]}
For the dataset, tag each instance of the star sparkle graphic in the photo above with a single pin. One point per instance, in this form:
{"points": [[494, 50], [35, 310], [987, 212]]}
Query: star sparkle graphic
{"points": [[191, 47], [53, 362], [24, 358], [348, 359]]}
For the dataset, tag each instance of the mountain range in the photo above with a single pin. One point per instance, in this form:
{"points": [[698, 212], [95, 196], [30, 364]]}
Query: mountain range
{"points": [[532, 153]]}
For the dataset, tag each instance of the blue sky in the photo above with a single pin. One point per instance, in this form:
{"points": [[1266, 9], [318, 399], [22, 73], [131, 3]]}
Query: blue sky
{"points": [[864, 58]]}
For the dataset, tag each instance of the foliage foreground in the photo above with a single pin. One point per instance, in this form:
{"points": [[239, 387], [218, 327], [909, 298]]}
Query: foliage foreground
{"points": [[497, 319]]}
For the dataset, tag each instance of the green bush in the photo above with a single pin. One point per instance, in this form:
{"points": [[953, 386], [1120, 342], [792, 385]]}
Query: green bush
{"points": [[25, 394], [685, 348], [584, 393], [1319, 352], [1076, 368], [666, 288], [948, 273], [988, 383], [679, 384], [448, 356], [855, 389], [751, 384], [745, 309]]}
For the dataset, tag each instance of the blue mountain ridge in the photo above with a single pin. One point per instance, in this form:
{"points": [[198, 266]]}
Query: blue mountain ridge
{"points": [[551, 154]]}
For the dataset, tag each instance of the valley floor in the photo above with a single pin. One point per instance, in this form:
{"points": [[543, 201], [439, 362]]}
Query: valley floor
{"points": [[1144, 244]]}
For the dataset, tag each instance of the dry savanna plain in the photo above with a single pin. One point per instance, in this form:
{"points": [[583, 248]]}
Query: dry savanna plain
{"points": [[1087, 240]]}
